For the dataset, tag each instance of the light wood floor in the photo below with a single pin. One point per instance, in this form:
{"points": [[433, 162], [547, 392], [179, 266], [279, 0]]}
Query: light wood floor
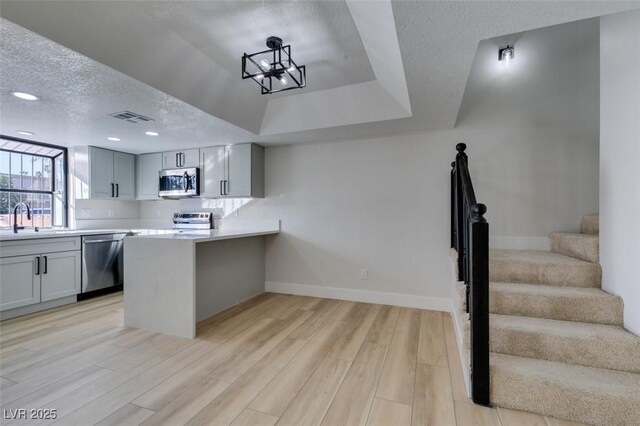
{"points": [[282, 359]]}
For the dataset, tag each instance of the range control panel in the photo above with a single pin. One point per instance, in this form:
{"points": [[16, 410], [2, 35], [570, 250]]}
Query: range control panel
{"points": [[203, 220]]}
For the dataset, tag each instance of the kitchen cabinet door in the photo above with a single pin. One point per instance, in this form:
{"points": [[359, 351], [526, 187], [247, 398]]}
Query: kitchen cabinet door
{"points": [[181, 159], [20, 283], [124, 171], [60, 274], [147, 176], [214, 171], [101, 180], [239, 176], [170, 160], [190, 158]]}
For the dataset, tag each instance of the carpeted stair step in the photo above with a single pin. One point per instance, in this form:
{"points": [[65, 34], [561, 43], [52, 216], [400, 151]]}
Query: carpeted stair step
{"points": [[542, 267], [589, 305], [591, 345], [590, 224], [581, 394], [580, 246]]}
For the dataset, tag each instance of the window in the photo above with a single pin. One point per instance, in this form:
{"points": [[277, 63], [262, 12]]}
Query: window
{"points": [[35, 174]]}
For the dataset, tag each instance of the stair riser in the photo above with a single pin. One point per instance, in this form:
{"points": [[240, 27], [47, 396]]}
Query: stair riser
{"points": [[586, 349], [589, 310], [583, 275], [587, 249], [590, 224], [537, 396]]}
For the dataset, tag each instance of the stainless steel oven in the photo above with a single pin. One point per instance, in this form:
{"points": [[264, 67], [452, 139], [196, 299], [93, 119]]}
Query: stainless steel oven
{"points": [[176, 183]]}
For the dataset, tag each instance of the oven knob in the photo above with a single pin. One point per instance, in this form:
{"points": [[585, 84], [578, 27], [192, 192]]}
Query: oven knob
{"points": [[201, 215]]}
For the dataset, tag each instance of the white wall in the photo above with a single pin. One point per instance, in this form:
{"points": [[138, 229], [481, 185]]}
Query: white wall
{"points": [[619, 158], [532, 131], [383, 204]]}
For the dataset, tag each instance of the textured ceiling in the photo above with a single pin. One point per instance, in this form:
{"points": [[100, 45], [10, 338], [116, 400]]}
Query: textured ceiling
{"points": [[77, 94], [437, 42], [321, 33]]}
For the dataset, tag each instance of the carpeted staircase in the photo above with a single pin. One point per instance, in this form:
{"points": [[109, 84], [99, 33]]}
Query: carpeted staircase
{"points": [[557, 343]]}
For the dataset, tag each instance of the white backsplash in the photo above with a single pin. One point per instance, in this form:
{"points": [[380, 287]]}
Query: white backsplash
{"points": [[97, 214], [158, 214]]}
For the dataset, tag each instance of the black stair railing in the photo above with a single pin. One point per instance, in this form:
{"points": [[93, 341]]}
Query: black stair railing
{"points": [[470, 238]]}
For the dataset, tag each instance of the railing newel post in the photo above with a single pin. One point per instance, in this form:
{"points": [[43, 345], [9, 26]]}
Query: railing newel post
{"points": [[479, 271]]}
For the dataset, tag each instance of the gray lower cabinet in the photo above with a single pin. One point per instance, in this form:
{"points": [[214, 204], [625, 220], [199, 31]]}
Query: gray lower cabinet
{"points": [[19, 282], [60, 275], [30, 275]]}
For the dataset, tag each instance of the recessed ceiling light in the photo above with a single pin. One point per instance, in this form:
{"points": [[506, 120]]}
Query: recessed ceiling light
{"points": [[111, 138], [24, 132], [151, 133], [25, 96]]}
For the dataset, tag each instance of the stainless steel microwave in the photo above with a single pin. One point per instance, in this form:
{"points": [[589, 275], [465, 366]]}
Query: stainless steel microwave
{"points": [[176, 183]]}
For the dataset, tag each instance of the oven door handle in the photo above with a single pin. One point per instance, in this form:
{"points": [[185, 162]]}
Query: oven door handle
{"points": [[186, 182]]}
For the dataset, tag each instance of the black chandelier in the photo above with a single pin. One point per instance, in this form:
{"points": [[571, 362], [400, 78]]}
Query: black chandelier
{"points": [[273, 69]]}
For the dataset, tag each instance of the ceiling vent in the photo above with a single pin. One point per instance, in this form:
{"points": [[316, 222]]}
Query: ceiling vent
{"points": [[131, 117]]}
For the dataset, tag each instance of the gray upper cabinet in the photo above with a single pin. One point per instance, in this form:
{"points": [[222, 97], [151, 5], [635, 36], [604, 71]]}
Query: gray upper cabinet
{"points": [[124, 175], [214, 171], [104, 173], [147, 175], [182, 158], [233, 171], [101, 178]]}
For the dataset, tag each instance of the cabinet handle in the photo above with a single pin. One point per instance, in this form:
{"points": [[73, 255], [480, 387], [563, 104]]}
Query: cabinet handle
{"points": [[226, 187], [45, 264], [112, 190], [117, 190], [182, 159], [177, 165], [221, 190], [37, 265]]}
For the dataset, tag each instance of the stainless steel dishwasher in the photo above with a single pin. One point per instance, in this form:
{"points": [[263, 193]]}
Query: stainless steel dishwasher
{"points": [[102, 262]]}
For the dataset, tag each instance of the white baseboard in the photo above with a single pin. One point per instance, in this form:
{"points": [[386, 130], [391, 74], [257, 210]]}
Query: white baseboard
{"points": [[379, 297], [519, 243]]}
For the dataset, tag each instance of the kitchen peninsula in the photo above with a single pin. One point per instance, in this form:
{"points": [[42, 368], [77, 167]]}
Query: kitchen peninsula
{"points": [[175, 280]]}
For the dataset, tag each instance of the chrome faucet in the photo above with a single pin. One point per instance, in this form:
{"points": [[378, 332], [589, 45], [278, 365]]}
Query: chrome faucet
{"points": [[15, 216]]}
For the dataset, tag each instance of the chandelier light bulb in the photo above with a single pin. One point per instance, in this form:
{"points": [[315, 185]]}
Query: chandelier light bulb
{"points": [[265, 64], [260, 76], [283, 81]]}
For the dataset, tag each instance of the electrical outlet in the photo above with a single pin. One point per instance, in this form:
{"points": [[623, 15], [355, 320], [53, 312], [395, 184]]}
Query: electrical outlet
{"points": [[364, 273]]}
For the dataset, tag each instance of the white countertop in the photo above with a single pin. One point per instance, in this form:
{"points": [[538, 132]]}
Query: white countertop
{"points": [[29, 234], [212, 235], [237, 229]]}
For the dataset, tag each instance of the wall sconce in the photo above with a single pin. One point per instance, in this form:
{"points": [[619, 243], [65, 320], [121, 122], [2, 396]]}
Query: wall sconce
{"points": [[506, 54]]}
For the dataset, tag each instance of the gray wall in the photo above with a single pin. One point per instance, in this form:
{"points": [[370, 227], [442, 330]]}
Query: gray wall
{"points": [[619, 156]]}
